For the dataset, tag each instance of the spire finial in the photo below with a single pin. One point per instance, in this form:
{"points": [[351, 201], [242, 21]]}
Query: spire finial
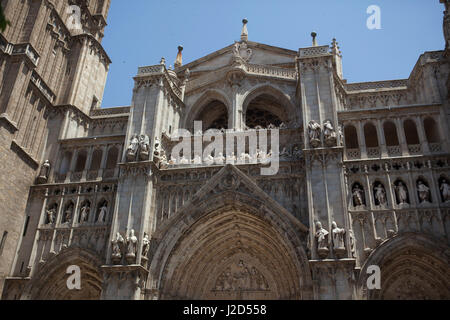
{"points": [[179, 61], [163, 61], [244, 34], [314, 41], [335, 47]]}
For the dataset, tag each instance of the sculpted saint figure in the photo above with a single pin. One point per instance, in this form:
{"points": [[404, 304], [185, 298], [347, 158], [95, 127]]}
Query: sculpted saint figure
{"points": [[103, 212], [145, 245], [314, 133], [133, 148], [380, 195], [358, 196], [45, 170], [116, 247], [144, 145], [338, 236], [402, 193], [329, 133], [322, 236], [424, 192], [132, 244], [51, 215], [445, 191], [84, 213], [68, 214]]}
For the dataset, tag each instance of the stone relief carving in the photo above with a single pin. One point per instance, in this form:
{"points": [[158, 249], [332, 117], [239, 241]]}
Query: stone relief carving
{"points": [[44, 172], [314, 133], [329, 134], [241, 52], [117, 245], [241, 277], [322, 240], [338, 240]]}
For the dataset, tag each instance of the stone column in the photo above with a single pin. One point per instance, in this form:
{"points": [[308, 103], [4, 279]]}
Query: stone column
{"points": [[362, 141], [401, 136], [382, 139], [422, 135]]}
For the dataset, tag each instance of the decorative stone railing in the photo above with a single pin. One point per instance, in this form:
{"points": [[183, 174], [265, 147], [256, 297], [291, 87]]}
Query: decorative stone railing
{"points": [[414, 149], [435, 147], [392, 84], [353, 154], [373, 152], [394, 151], [271, 71], [110, 111], [314, 51], [27, 49], [40, 84], [151, 69]]}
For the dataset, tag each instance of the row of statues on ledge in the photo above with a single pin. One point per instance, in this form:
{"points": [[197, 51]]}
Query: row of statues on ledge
{"points": [[85, 210], [401, 193], [139, 148], [330, 136], [338, 240], [128, 247]]}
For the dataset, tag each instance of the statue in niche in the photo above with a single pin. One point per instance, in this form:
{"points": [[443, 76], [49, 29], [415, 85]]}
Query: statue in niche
{"points": [[157, 154], [117, 244], [380, 195], [133, 148], [144, 147], [329, 134], [84, 212], [68, 214], [322, 240], [145, 245], [358, 196], [445, 191], [338, 240], [352, 242], [103, 212], [51, 215], [131, 247], [424, 192], [341, 135], [402, 193], [44, 173], [314, 133]]}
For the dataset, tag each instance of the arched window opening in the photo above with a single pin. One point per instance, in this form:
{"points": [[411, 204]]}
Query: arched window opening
{"points": [[265, 111], [431, 130], [370, 134], [213, 116], [412, 137], [81, 161], [96, 160], [111, 161], [390, 134], [351, 137]]}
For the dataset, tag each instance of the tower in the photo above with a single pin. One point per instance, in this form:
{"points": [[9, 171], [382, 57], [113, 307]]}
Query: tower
{"points": [[52, 69]]}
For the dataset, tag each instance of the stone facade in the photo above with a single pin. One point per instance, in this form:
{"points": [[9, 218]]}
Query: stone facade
{"points": [[363, 175]]}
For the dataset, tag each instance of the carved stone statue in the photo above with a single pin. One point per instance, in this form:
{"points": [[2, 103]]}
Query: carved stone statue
{"points": [[352, 242], [133, 148], [358, 197], [84, 212], [103, 212], [157, 154], [145, 245], [424, 192], [338, 240], [329, 134], [117, 244], [51, 216], [314, 133], [144, 147], [163, 164], [445, 191], [402, 194], [322, 240], [340, 135], [380, 195], [132, 242], [68, 214], [43, 174]]}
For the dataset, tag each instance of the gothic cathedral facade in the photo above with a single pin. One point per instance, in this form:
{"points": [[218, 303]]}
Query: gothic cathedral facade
{"points": [[362, 173]]}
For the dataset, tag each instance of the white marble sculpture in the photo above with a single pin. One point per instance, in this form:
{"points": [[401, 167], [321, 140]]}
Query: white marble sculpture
{"points": [[132, 242], [338, 240], [117, 244], [380, 195], [51, 216], [424, 192], [329, 134], [358, 196], [402, 194], [322, 240], [84, 212], [314, 132], [103, 212], [145, 245], [133, 148]]}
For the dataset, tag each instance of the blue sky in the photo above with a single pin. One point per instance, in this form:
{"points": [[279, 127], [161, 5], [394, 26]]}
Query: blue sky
{"points": [[140, 32]]}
